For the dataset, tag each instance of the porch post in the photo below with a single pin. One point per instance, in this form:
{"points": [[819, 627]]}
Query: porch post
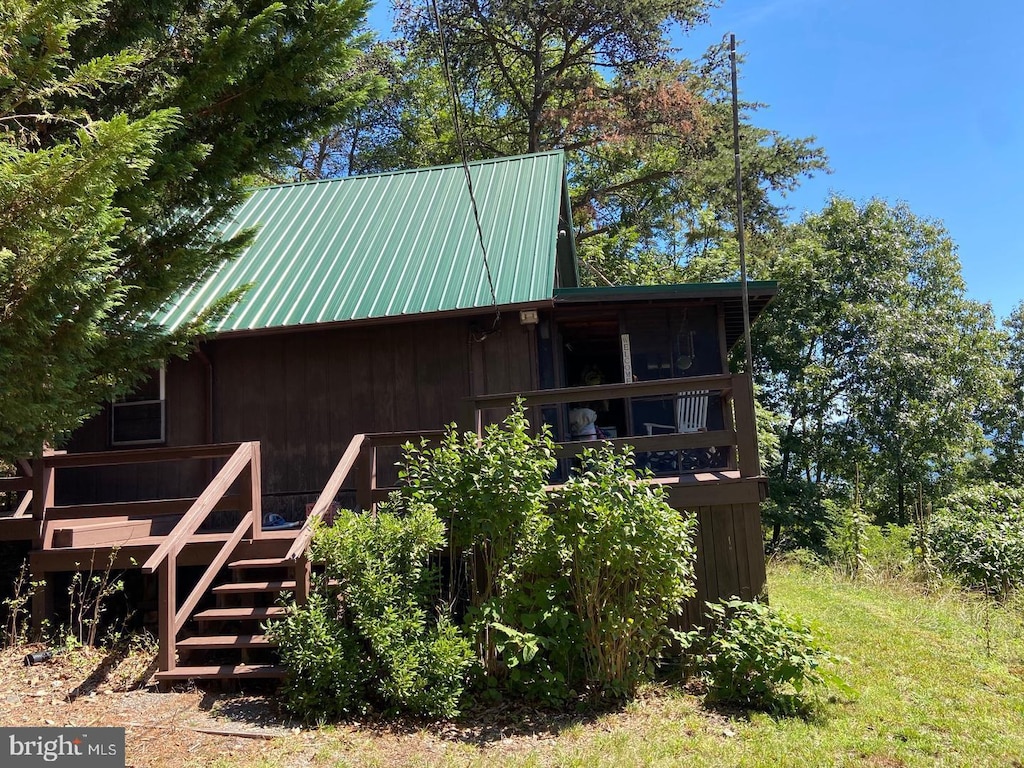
{"points": [[168, 577], [255, 490], [746, 425]]}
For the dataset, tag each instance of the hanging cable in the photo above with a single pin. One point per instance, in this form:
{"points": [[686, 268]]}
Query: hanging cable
{"points": [[450, 82]]}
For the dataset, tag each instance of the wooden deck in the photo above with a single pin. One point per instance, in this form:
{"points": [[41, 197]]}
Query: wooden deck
{"points": [[213, 631]]}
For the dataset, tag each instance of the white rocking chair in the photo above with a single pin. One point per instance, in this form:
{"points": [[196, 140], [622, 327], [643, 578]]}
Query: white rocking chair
{"points": [[691, 414]]}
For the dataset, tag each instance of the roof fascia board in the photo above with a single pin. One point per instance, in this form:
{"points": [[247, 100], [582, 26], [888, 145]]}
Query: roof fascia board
{"points": [[421, 317]]}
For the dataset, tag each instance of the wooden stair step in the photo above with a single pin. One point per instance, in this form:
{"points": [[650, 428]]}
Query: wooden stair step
{"points": [[223, 672], [245, 587], [266, 562], [217, 642], [241, 614]]}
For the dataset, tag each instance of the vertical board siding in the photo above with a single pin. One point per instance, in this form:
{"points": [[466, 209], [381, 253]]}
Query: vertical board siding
{"points": [[730, 558], [303, 396]]}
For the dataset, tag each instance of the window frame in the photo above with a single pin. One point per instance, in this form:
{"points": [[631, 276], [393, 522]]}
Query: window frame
{"points": [[115, 405]]}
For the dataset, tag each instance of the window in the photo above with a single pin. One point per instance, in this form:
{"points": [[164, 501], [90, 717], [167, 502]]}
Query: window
{"points": [[139, 418]]}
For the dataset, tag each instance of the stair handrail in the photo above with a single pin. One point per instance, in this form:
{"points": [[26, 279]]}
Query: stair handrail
{"points": [[164, 559], [327, 495], [203, 505]]}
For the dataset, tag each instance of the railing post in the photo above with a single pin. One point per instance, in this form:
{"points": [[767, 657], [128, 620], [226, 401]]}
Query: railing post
{"points": [[167, 607], [746, 425], [727, 414], [256, 490], [366, 477], [43, 490], [303, 573]]}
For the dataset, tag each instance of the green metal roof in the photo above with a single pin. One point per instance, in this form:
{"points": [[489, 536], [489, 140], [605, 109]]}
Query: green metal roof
{"points": [[389, 245]]}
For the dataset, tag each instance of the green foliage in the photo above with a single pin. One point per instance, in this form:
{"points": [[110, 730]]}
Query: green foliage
{"points": [[627, 558], [491, 492], [490, 489], [16, 606], [978, 535], [408, 661], [127, 132], [888, 550], [570, 593], [328, 674], [796, 512], [847, 538], [61, 277], [1006, 415], [762, 658], [875, 359], [380, 563]]}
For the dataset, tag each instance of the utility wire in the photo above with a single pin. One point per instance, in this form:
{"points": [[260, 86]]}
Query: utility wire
{"points": [[449, 80]]}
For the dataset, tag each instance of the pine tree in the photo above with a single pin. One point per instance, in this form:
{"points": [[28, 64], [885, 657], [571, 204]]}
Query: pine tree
{"points": [[127, 132]]}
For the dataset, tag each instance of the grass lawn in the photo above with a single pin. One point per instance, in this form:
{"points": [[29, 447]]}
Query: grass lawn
{"points": [[932, 688]]}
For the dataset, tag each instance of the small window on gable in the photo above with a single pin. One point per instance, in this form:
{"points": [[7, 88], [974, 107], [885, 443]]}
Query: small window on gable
{"points": [[139, 417]]}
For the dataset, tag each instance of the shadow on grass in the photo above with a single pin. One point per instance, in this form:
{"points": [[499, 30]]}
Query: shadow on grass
{"points": [[120, 668], [479, 726]]}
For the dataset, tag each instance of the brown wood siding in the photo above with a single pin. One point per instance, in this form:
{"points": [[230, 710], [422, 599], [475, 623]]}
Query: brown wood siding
{"points": [[730, 557], [304, 395], [185, 395]]}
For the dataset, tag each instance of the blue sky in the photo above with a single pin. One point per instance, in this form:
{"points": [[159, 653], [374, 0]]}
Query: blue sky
{"points": [[914, 100], [919, 101]]}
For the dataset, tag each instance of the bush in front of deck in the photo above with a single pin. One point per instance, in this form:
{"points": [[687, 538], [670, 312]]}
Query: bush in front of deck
{"points": [[571, 591], [375, 637], [627, 558], [328, 675]]}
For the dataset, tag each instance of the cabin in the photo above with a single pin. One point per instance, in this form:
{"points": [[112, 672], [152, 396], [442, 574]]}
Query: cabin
{"points": [[380, 309]]}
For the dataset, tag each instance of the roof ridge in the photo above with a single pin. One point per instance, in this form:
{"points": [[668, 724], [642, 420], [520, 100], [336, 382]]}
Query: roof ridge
{"points": [[403, 171]]}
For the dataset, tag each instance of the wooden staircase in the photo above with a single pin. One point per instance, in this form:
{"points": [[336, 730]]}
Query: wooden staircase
{"points": [[226, 641]]}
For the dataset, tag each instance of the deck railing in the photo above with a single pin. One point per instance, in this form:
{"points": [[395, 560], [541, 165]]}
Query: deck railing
{"points": [[109, 526], [360, 457], [20, 483], [738, 415]]}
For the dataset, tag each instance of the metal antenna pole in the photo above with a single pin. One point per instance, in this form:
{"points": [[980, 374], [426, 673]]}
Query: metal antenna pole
{"points": [[739, 209]]}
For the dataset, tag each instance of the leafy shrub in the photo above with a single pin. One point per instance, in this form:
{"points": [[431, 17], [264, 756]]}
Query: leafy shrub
{"points": [[888, 550], [764, 659], [627, 558], [855, 546], [326, 661], [845, 541], [978, 536], [403, 661], [491, 490], [537, 636], [568, 592]]}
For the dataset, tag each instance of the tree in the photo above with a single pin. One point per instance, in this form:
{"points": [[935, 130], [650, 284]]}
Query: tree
{"points": [[647, 133], [875, 357], [1006, 417], [128, 131]]}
